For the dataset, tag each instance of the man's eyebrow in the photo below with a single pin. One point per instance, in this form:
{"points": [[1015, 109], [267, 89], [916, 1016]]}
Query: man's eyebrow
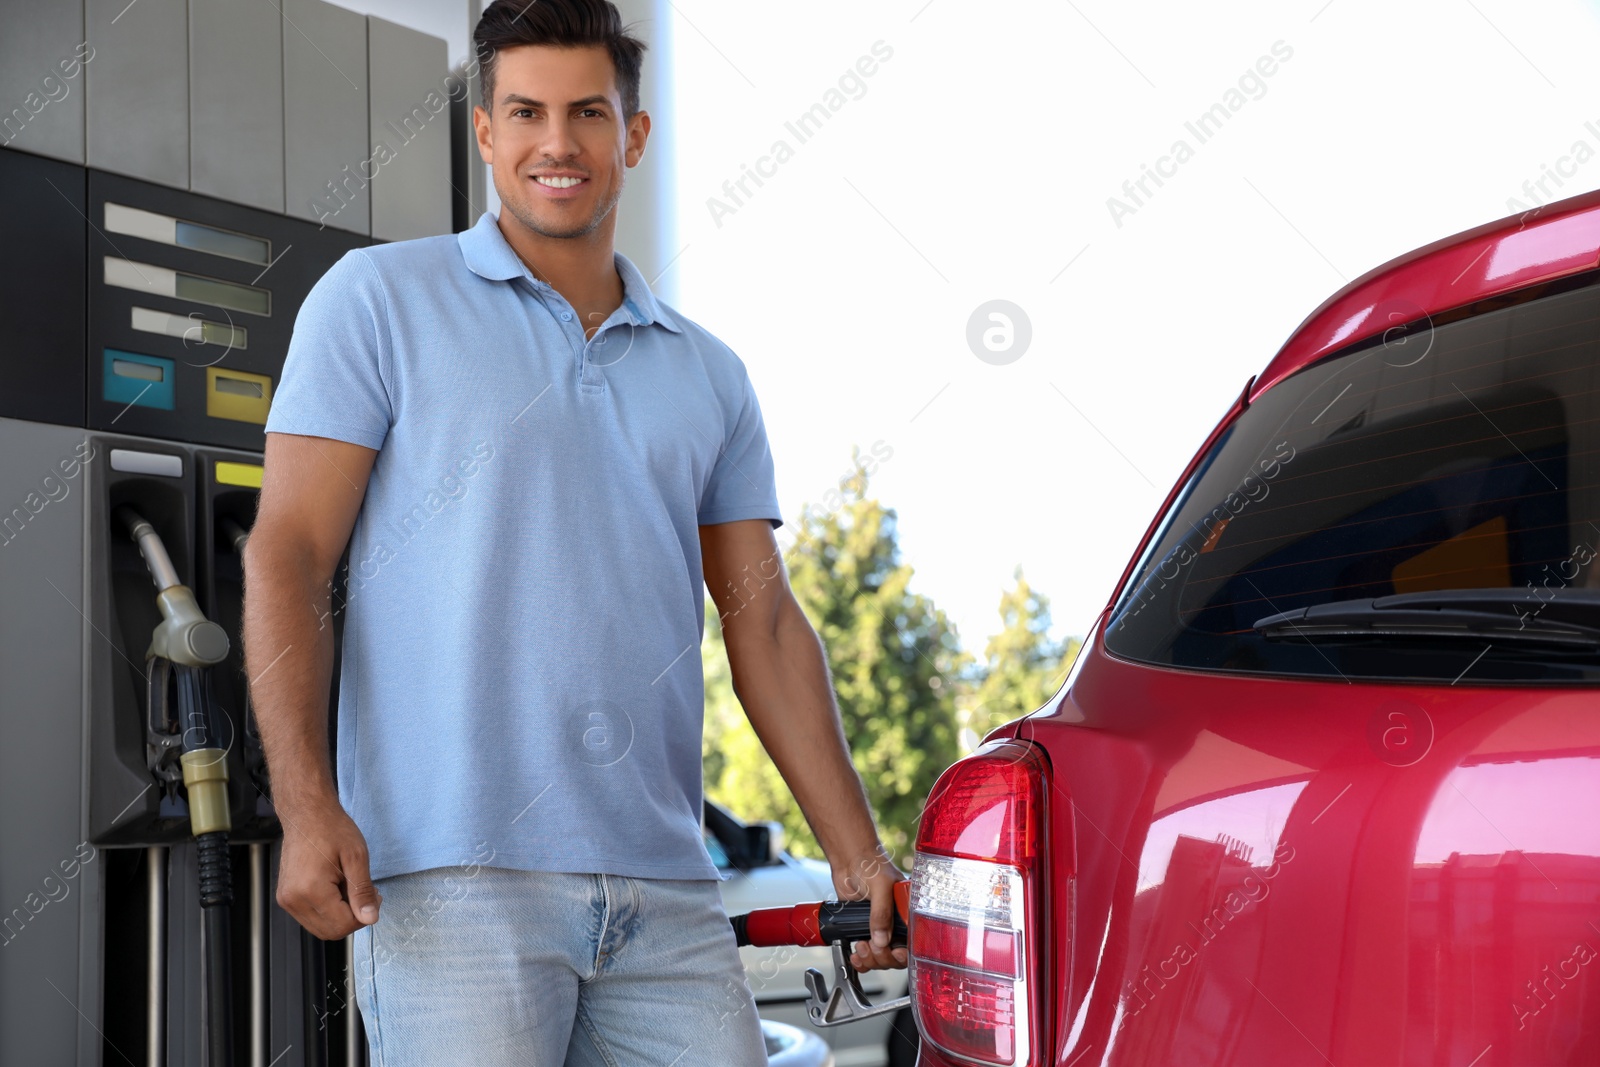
{"points": [[513, 98]]}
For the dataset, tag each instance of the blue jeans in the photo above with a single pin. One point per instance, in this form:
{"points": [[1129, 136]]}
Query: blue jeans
{"points": [[542, 969]]}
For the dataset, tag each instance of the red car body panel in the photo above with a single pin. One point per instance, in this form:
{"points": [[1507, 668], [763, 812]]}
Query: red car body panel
{"points": [[1498, 257], [1258, 870], [1346, 942]]}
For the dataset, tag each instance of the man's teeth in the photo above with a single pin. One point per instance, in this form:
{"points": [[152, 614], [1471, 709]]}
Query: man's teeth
{"points": [[558, 183]]}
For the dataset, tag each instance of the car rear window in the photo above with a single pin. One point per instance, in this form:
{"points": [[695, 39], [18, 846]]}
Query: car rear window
{"points": [[1432, 496]]}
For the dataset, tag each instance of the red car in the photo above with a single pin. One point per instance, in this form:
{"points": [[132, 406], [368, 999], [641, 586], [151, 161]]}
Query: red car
{"points": [[1323, 787]]}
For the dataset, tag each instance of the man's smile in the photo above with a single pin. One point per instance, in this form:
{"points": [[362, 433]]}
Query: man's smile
{"points": [[560, 186]]}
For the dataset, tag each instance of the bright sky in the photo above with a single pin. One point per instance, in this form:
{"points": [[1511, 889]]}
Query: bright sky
{"points": [[975, 164]]}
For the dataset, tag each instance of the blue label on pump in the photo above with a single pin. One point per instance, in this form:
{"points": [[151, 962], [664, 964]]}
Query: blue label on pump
{"points": [[134, 378]]}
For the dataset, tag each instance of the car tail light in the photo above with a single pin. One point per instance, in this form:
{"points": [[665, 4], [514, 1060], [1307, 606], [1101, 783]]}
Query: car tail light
{"points": [[978, 953]]}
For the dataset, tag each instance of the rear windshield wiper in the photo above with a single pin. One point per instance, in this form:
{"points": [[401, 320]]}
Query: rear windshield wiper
{"points": [[1565, 618]]}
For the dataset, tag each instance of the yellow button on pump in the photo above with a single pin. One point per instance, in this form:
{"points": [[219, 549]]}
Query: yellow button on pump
{"points": [[238, 395]]}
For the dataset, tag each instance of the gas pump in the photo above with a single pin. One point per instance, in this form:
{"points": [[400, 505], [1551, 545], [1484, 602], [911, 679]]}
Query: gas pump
{"points": [[177, 174], [145, 311], [138, 364]]}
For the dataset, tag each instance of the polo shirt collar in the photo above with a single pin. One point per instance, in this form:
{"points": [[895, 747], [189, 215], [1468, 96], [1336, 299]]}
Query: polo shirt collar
{"points": [[488, 254]]}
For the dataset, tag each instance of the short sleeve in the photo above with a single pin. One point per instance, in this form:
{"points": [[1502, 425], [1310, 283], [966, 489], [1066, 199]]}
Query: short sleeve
{"points": [[742, 484], [334, 380]]}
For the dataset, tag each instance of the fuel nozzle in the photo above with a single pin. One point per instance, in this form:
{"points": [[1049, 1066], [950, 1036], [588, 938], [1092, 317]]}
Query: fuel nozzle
{"points": [[836, 924], [235, 535], [185, 637], [821, 923]]}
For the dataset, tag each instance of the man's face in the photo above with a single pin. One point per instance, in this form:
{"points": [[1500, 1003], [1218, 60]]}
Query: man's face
{"points": [[557, 111]]}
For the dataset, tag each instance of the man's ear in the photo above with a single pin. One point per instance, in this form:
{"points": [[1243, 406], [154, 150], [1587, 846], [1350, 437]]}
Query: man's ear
{"points": [[483, 130], [638, 134]]}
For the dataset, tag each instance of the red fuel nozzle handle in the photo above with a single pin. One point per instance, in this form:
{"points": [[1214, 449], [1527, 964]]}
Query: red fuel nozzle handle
{"points": [[821, 923]]}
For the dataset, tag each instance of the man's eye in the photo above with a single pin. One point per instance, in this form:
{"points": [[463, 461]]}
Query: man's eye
{"points": [[522, 111]]}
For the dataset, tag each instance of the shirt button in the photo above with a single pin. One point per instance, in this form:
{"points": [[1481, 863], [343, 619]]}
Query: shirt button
{"points": [[566, 316]]}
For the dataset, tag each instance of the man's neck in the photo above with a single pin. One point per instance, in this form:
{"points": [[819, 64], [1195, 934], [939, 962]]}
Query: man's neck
{"points": [[582, 270]]}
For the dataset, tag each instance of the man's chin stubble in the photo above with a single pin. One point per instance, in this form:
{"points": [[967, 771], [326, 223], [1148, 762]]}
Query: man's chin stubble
{"points": [[525, 216]]}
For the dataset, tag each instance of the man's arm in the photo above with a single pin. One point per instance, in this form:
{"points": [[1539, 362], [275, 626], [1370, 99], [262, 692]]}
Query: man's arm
{"points": [[780, 675], [311, 490]]}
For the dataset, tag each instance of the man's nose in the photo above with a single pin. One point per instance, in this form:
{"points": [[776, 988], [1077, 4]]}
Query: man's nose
{"points": [[558, 142]]}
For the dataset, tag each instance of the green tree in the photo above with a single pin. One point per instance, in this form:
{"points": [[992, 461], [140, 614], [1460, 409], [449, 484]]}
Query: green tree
{"points": [[1022, 666], [895, 660]]}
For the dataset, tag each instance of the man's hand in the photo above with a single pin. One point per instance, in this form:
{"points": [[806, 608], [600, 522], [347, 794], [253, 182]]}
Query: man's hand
{"points": [[323, 874], [872, 875]]}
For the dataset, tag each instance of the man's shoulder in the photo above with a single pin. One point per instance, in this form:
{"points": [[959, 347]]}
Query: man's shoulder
{"points": [[396, 259], [718, 358], [379, 274]]}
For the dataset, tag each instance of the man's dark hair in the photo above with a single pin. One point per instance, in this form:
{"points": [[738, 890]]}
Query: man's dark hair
{"points": [[563, 23]]}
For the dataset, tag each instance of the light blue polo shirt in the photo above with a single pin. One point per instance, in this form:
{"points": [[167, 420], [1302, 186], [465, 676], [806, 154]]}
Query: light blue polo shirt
{"points": [[521, 682]]}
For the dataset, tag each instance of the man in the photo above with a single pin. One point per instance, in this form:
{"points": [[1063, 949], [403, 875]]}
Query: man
{"points": [[535, 464]]}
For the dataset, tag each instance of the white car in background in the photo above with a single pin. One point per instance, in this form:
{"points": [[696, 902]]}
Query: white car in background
{"points": [[758, 873], [788, 1046]]}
